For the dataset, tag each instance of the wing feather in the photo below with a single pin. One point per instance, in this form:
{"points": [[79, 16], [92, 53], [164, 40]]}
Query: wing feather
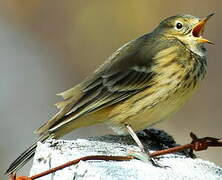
{"points": [[110, 91], [127, 72]]}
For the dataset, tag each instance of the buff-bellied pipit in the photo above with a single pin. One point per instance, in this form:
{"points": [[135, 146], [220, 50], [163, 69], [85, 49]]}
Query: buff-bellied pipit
{"points": [[143, 82]]}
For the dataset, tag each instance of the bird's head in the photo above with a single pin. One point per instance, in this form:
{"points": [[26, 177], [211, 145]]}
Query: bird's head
{"points": [[188, 29]]}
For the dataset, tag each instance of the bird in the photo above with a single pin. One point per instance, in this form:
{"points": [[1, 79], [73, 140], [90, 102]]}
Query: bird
{"points": [[142, 83]]}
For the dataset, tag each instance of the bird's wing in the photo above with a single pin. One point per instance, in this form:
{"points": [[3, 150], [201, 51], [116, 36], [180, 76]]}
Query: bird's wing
{"points": [[128, 71]]}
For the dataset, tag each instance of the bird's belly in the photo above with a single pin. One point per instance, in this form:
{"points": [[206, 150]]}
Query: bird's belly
{"points": [[141, 117]]}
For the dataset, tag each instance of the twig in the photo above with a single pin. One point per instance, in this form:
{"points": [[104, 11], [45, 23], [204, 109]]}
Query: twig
{"points": [[96, 157]]}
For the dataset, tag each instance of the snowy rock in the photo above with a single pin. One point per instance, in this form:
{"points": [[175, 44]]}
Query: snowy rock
{"points": [[181, 166]]}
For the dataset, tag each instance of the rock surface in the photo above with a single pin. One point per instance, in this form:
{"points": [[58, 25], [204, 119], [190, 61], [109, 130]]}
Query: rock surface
{"points": [[56, 152]]}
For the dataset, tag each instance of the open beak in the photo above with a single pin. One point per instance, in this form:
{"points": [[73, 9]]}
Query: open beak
{"points": [[199, 29]]}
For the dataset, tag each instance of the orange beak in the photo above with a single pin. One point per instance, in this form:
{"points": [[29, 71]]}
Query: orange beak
{"points": [[199, 29]]}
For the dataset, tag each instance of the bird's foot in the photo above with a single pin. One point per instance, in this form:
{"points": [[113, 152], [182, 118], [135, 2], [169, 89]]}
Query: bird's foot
{"points": [[144, 157]]}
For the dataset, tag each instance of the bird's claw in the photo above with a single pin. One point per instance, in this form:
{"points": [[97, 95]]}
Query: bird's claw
{"points": [[144, 157]]}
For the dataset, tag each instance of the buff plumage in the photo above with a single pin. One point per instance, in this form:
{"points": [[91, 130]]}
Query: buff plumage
{"points": [[142, 83]]}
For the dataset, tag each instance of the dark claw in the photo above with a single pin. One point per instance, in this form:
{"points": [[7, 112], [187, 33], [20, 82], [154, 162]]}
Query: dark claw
{"points": [[157, 164]]}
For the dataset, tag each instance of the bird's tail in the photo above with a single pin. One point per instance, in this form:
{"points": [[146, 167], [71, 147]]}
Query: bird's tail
{"points": [[26, 155]]}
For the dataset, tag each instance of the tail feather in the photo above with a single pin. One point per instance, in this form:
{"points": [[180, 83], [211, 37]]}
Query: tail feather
{"points": [[26, 155]]}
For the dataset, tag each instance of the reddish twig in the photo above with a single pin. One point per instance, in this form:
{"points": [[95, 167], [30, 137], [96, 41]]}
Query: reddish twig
{"points": [[85, 158], [197, 144], [96, 157]]}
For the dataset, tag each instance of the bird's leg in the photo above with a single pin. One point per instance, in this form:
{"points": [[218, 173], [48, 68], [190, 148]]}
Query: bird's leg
{"points": [[136, 139], [145, 154]]}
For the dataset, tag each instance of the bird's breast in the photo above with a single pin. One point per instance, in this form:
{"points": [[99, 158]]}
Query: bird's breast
{"points": [[173, 85]]}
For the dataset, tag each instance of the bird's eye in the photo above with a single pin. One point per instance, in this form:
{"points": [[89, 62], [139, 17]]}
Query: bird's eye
{"points": [[179, 25]]}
